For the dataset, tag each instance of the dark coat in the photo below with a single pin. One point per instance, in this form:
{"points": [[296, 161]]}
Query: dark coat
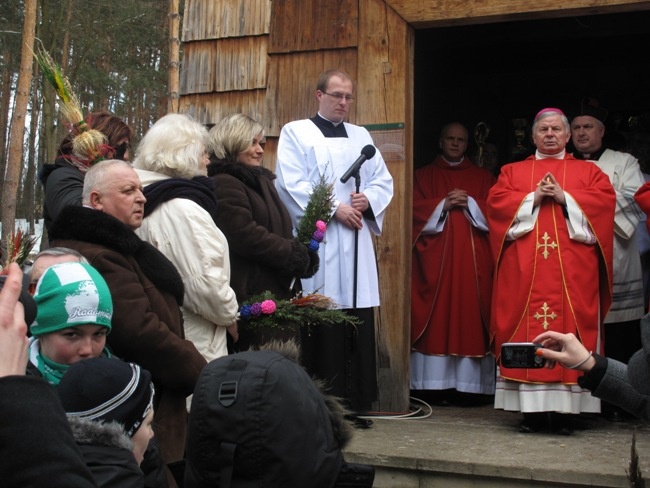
{"points": [[624, 385], [147, 322], [263, 253], [295, 439], [108, 453], [62, 186], [36, 445]]}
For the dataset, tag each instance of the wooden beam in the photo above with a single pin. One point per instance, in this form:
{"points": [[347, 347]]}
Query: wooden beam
{"points": [[431, 13], [384, 96]]}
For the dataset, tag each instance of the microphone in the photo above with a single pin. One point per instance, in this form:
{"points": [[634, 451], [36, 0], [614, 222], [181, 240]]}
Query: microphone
{"points": [[368, 152]]}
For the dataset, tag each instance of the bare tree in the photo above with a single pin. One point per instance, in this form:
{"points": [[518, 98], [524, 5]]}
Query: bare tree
{"points": [[5, 98], [116, 67], [18, 121], [174, 56], [31, 208]]}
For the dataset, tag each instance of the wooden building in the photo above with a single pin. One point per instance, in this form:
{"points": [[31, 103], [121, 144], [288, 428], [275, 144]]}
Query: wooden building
{"points": [[417, 64]]}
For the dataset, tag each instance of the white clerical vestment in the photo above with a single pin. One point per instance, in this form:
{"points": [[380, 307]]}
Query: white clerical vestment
{"points": [[304, 154]]}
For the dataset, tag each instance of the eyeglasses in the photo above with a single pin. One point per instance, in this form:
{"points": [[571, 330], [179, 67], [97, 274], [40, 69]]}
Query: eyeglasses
{"points": [[340, 96]]}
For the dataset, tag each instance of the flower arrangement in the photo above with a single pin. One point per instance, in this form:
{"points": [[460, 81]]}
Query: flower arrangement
{"points": [[18, 249], [314, 309], [312, 226]]}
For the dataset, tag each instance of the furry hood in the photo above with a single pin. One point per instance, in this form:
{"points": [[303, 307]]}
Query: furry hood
{"points": [[99, 228], [99, 433], [247, 174]]}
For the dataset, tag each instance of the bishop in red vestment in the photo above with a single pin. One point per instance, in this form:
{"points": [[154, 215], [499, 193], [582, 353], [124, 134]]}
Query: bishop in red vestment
{"points": [[551, 221]]}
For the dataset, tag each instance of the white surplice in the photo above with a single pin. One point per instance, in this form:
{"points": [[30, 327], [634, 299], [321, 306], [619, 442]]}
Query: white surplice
{"points": [[304, 154]]}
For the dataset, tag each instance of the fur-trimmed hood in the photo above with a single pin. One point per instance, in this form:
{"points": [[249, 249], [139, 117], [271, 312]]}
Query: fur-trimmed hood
{"points": [[89, 225], [99, 433], [247, 174], [108, 453]]}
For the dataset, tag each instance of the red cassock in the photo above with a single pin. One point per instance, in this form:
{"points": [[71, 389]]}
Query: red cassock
{"points": [[642, 197], [452, 270], [544, 280]]}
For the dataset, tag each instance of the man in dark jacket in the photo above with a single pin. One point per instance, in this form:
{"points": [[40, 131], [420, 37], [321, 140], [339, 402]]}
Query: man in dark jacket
{"points": [[146, 288]]}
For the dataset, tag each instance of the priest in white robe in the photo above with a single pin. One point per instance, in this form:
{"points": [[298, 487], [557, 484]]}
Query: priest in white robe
{"points": [[327, 146]]}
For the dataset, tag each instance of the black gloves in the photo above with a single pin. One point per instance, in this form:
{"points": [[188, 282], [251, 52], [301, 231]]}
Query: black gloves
{"points": [[303, 263], [314, 263]]}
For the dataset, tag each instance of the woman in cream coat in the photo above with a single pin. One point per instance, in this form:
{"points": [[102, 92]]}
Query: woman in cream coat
{"points": [[179, 220]]}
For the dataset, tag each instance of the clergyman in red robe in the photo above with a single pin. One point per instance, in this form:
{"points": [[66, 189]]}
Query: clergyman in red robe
{"points": [[551, 221], [452, 273]]}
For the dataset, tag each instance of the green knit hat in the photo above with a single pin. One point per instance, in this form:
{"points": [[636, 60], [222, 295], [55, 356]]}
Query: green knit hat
{"points": [[71, 294]]}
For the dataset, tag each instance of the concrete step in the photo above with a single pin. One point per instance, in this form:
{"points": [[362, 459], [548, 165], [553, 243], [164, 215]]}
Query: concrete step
{"points": [[481, 447]]}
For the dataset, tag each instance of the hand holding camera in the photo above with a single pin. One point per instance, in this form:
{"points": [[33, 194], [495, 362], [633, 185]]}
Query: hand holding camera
{"points": [[565, 349]]}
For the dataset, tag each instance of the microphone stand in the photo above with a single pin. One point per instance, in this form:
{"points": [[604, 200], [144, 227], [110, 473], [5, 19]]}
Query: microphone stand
{"points": [[357, 182]]}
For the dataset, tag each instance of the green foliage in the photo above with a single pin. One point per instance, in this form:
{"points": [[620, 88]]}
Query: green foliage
{"points": [[11, 25], [116, 55], [319, 207]]}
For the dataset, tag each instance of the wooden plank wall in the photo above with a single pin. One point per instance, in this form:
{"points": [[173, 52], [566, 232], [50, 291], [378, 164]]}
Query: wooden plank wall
{"points": [[225, 58], [307, 38], [209, 108], [233, 64], [374, 45], [312, 25], [292, 79], [219, 19]]}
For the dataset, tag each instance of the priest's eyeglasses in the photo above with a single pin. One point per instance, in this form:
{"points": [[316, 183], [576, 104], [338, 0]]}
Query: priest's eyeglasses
{"points": [[340, 96]]}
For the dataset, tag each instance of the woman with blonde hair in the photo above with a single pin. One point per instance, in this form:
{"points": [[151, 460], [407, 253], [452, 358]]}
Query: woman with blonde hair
{"points": [[263, 252]]}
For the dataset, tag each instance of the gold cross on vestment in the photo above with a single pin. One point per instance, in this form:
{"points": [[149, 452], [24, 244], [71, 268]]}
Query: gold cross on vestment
{"points": [[545, 315], [546, 245]]}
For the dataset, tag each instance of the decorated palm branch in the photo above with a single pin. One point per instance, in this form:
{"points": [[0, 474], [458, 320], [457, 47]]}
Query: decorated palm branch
{"points": [[89, 145], [18, 249], [312, 226], [265, 311]]}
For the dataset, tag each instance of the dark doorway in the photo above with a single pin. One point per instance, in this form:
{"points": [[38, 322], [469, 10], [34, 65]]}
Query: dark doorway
{"points": [[497, 73]]}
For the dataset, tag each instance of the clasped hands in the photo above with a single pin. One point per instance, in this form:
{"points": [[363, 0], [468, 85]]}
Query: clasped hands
{"points": [[455, 198], [549, 187], [352, 215]]}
